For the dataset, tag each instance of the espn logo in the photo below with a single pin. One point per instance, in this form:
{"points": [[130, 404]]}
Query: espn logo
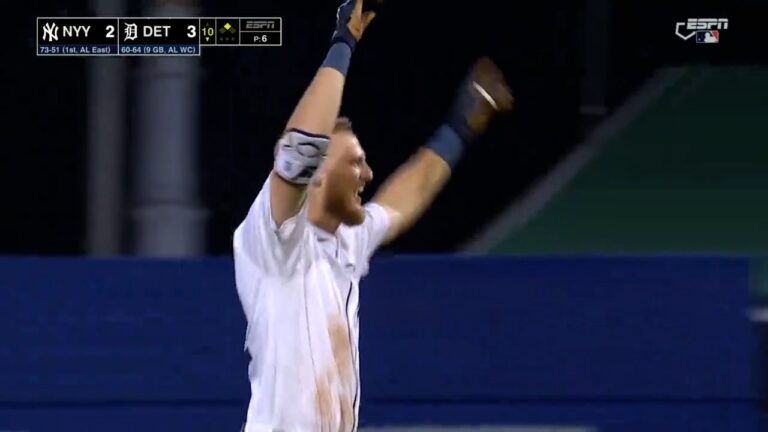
{"points": [[706, 30], [260, 25]]}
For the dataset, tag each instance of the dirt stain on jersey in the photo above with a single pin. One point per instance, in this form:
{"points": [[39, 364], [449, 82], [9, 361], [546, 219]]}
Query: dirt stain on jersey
{"points": [[335, 401], [339, 335], [323, 404]]}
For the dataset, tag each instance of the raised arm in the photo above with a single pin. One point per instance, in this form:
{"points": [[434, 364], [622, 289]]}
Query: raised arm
{"points": [[305, 140], [408, 192]]}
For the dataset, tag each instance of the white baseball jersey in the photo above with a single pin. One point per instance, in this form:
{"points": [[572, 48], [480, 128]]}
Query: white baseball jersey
{"points": [[298, 286]]}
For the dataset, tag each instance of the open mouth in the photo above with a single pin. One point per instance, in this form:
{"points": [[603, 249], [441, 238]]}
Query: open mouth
{"points": [[359, 193]]}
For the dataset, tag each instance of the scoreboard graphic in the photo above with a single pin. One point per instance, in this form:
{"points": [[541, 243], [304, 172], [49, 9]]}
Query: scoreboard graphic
{"points": [[156, 36]]}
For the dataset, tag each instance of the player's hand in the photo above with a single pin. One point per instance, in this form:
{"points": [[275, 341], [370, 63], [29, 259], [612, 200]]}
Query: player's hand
{"points": [[351, 22], [483, 94]]}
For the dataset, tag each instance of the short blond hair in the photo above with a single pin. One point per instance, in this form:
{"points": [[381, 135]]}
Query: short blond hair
{"points": [[343, 124]]}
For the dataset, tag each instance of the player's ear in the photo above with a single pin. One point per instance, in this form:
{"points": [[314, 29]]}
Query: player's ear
{"points": [[317, 179]]}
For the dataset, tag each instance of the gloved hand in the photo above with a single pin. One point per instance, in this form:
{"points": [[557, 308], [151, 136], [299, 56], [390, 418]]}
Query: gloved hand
{"points": [[482, 95], [351, 22]]}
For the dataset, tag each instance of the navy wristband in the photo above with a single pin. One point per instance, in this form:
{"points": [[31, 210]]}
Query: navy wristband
{"points": [[447, 144], [338, 57]]}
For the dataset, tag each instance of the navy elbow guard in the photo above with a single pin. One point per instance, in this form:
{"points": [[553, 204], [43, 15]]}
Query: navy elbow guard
{"points": [[299, 154]]}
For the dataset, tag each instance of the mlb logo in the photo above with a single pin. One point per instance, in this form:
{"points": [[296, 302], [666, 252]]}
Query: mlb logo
{"points": [[709, 36]]}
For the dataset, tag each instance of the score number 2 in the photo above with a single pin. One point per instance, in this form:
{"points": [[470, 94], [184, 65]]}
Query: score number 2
{"points": [[110, 31]]}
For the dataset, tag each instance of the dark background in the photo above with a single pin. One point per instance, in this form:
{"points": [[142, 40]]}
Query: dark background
{"points": [[402, 78]]}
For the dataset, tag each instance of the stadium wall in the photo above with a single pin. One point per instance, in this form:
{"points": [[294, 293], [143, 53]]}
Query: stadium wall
{"points": [[680, 177], [581, 344]]}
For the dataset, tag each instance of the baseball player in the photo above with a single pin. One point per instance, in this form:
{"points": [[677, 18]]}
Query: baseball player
{"points": [[307, 239]]}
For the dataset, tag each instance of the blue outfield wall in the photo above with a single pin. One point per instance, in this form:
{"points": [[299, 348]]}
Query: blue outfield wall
{"points": [[624, 344]]}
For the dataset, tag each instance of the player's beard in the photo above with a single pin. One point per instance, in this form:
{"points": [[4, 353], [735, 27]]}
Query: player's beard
{"points": [[341, 201]]}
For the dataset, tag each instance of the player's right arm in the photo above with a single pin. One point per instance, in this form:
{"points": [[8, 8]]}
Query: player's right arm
{"points": [[303, 144]]}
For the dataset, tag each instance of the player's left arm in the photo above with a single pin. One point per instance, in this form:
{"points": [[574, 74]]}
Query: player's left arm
{"points": [[411, 189], [408, 192]]}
